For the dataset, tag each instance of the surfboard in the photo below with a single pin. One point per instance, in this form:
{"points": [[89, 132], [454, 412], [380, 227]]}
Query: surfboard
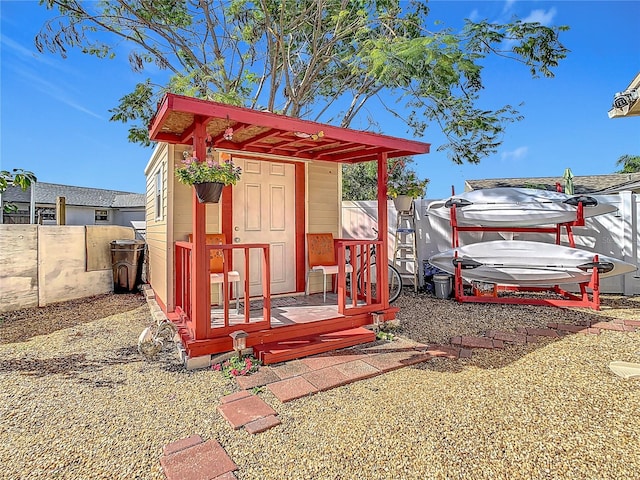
{"points": [[526, 263], [517, 207]]}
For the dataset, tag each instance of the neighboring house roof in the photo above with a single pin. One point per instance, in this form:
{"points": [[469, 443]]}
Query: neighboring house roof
{"points": [[627, 103], [46, 193], [612, 183]]}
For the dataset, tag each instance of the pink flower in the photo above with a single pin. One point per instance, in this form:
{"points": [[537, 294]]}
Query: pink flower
{"points": [[217, 367], [234, 372]]}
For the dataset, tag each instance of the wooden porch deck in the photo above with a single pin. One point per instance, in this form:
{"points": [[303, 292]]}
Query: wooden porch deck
{"points": [[285, 311]]}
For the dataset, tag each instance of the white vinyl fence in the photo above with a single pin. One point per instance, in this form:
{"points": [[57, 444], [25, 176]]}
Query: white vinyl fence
{"points": [[614, 234]]}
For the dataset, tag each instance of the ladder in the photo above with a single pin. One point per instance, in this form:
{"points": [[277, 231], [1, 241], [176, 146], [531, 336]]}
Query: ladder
{"points": [[405, 259]]}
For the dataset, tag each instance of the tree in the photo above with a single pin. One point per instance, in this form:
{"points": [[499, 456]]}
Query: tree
{"points": [[629, 163], [360, 181], [18, 177], [326, 60]]}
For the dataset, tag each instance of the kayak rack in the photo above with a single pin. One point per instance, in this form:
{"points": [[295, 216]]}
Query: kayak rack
{"points": [[568, 299]]}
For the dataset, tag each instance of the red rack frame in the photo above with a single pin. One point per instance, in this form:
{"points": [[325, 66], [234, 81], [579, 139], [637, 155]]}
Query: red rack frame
{"points": [[570, 299]]}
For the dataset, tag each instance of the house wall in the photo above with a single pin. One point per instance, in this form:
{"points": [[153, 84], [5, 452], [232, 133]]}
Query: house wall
{"points": [[125, 217], [86, 216], [35, 271], [616, 234], [76, 215]]}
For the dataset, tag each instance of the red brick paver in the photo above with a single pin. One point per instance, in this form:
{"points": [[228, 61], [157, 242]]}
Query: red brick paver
{"points": [[262, 424], [385, 362], [539, 332], [235, 396], [290, 369], [182, 444], [292, 388], [517, 338], [357, 370], [262, 377], [245, 410], [613, 326], [442, 351], [326, 378], [204, 461], [324, 360], [569, 328], [226, 476]]}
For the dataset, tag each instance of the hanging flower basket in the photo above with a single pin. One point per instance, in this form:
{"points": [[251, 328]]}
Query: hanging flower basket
{"points": [[208, 177], [208, 192]]}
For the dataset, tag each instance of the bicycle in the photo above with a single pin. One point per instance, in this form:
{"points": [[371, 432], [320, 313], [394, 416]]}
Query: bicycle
{"points": [[369, 271]]}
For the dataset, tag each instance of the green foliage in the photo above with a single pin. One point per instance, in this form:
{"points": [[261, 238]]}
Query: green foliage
{"points": [[629, 163], [360, 181], [408, 184], [323, 60], [386, 336], [194, 171], [237, 366], [18, 177]]}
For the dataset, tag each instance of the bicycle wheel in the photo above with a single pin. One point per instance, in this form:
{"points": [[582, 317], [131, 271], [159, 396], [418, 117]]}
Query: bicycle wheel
{"points": [[395, 282]]}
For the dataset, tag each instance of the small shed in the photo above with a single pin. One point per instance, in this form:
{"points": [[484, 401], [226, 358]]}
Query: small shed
{"points": [[290, 187]]}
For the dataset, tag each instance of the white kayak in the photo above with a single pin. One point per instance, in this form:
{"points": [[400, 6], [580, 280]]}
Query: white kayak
{"points": [[525, 263], [517, 207]]}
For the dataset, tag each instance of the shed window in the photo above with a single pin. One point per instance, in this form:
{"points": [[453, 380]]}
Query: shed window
{"points": [[102, 215], [158, 195]]}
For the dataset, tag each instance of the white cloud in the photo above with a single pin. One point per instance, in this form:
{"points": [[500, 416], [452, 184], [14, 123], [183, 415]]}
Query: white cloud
{"points": [[474, 16], [54, 91], [507, 5], [540, 16], [30, 56], [515, 155]]}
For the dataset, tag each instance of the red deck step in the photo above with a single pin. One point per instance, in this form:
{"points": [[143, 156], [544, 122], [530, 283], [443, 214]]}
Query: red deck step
{"points": [[311, 344]]}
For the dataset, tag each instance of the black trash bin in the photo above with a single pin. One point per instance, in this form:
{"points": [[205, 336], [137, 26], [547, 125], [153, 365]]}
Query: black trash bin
{"points": [[126, 261]]}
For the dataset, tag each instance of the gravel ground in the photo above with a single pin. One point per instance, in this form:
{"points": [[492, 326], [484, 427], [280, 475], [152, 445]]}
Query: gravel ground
{"points": [[78, 402]]}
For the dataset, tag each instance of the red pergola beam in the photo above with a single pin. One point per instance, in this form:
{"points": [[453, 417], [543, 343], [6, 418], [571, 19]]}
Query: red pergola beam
{"points": [[204, 108]]}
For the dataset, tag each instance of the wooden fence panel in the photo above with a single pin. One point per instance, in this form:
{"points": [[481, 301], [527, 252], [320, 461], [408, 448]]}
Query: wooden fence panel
{"points": [[18, 267]]}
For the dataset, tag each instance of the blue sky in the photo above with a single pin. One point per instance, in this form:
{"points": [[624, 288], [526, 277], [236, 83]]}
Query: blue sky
{"points": [[55, 112]]}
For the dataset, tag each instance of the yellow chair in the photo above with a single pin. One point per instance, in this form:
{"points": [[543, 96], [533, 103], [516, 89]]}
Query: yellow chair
{"points": [[216, 267], [322, 258]]}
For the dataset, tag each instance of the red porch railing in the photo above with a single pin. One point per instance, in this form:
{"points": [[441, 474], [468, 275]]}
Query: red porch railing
{"points": [[184, 269], [367, 275]]}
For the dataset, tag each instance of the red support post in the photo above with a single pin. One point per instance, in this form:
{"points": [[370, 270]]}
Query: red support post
{"points": [[200, 291], [382, 256]]}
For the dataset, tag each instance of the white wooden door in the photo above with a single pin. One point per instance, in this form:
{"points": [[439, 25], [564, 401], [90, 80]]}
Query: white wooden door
{"points": [[264, 212]]}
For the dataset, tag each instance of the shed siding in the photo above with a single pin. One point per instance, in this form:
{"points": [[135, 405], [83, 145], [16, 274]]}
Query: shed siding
{"points": [[324, 202], [157, 227], [323, 206]]}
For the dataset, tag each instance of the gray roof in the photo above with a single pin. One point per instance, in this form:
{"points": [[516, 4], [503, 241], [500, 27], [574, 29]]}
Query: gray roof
{"points": [[46, 193], [614, 182]]}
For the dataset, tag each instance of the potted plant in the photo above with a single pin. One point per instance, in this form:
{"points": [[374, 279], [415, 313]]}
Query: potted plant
{"points": [[404, 188], [208, 177]]}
